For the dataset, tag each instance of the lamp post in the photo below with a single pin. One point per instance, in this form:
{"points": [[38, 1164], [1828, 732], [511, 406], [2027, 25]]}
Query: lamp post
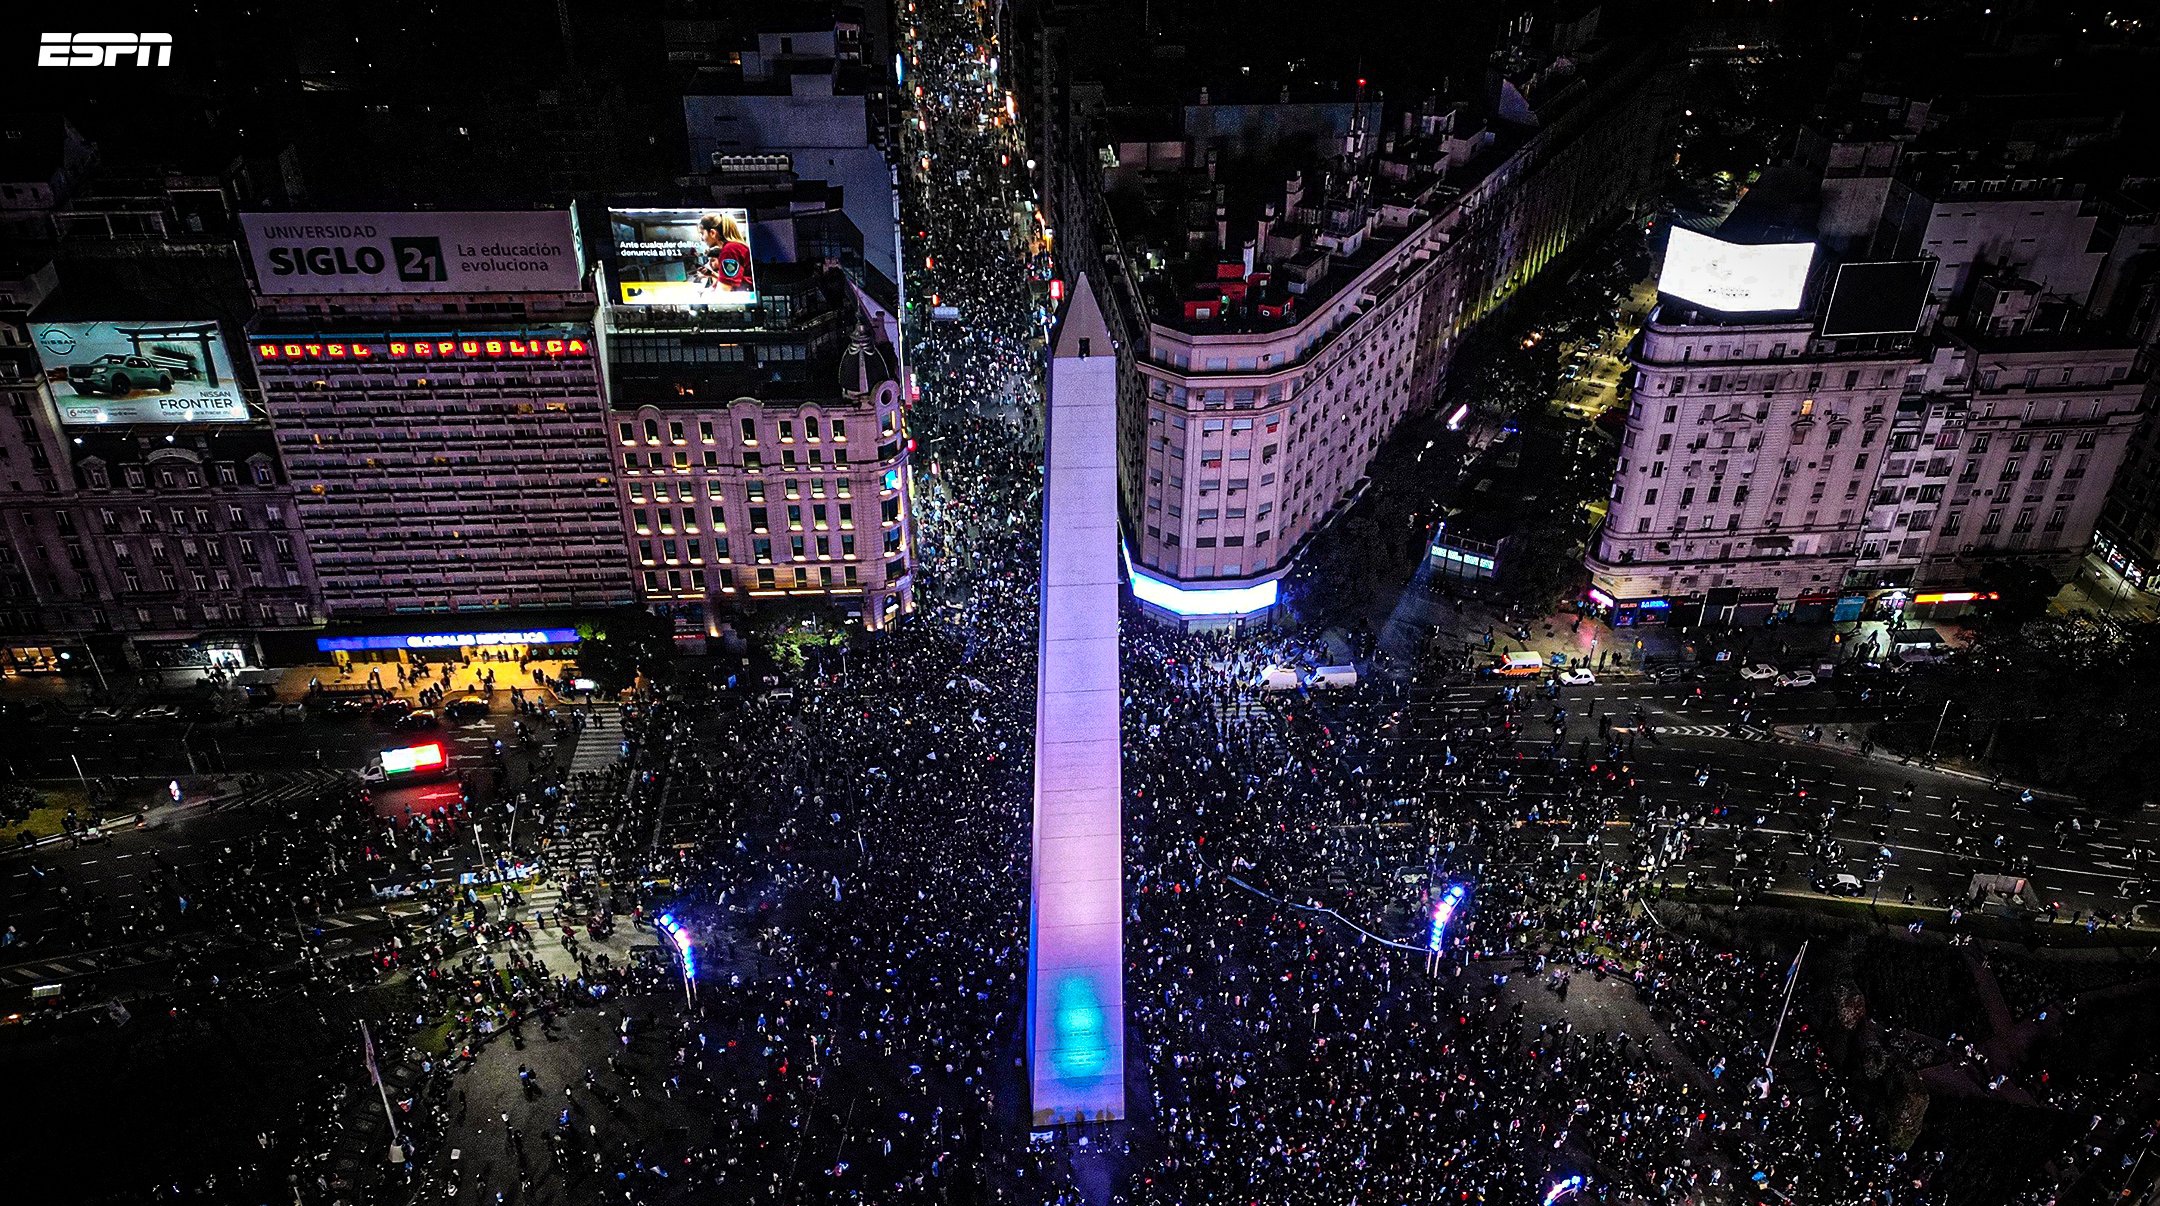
{"points": [[1939, 721], [68, 656]]}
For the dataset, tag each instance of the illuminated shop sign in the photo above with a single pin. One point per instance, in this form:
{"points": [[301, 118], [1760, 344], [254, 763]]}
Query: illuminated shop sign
{"points": [[286, 351], [447, 640]]}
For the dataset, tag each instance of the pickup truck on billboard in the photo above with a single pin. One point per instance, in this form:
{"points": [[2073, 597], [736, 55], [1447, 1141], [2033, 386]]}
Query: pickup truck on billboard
{"points": [[120, 375]]}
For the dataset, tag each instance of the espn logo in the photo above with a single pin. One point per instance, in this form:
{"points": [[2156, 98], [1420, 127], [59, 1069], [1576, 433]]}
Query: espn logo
{"points": [[104, 49]]}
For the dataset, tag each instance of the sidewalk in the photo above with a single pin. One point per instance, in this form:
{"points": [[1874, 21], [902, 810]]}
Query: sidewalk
{"points": [[462, 679]]}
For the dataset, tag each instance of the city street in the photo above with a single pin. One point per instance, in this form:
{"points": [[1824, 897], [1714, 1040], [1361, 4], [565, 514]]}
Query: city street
{"points": [[1669, 740]]}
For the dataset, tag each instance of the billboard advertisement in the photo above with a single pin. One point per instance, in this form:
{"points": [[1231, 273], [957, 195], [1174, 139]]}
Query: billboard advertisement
{"points": [[1734, 277], [449, 252], [1883, 298], [683, 257], [139, 372]]}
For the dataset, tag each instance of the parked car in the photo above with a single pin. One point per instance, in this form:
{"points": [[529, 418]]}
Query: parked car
{"points": [[1798, 678], [425, 718], [1673, 674], [1759, 672], [101, 716], [1577, 677], [159, 712]]}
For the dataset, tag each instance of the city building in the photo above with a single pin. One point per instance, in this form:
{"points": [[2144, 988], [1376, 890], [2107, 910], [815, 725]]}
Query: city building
{"points": [[806, 83], [146, 519], [1911, 433], [758, 429], [1275, 328], [435, 384]]}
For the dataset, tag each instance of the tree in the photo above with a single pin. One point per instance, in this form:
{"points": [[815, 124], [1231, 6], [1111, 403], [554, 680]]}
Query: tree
{"points": [[2023, 591], [2059, 701], [623, 645]]}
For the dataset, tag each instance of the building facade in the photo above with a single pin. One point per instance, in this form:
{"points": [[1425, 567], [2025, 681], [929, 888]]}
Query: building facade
{"points": [[1765, 468], [762, 455], [1259, 385], [444, 422], [469, 476], [145, 517]]}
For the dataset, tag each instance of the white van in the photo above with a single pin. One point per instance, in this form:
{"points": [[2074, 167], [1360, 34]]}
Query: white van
{"points": [[1278, 678], [1328, 678]]}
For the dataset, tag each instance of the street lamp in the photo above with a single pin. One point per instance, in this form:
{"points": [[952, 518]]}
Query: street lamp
{"points": [[678, 937], [68, 656]]}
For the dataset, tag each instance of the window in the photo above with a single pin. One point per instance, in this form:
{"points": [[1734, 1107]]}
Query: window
{"points": [[626, 432], [652, 431], [675, 431], [749, 431]]}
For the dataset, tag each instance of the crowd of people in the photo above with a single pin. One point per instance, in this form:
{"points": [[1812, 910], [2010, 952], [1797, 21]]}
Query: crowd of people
{"points": [[849, 864]]}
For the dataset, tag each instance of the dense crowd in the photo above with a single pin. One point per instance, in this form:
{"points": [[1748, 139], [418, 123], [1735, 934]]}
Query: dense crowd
{"points": [[852, 870]]}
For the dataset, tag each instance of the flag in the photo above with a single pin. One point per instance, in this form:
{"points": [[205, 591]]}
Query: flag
{"points": [[367, 1054]]}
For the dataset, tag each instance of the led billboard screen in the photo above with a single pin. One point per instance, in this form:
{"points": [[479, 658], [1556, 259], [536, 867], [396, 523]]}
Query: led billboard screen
{"points": [[139, 372], [683, 257], [447, 252], [413, 759], [1884, 298], [1734, 277]]}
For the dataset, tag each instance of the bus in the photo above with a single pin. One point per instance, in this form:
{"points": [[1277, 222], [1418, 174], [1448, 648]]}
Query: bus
{"points": [[409, 764]]}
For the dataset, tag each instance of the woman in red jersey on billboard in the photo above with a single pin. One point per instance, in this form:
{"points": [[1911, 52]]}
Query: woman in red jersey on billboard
{"points": [[726, 265]]}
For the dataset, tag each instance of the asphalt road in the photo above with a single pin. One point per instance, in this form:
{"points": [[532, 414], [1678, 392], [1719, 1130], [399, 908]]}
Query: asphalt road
{"points": [[124, 868], [2083, 868]]}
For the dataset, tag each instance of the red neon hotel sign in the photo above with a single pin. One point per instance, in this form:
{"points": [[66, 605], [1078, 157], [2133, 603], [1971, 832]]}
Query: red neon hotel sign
{"points": [[285, 351]]}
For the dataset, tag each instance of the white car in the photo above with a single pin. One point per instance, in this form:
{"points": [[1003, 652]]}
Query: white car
{"points": [[1759, 672], [1798, 678], [159, 712], [1578, 677]]}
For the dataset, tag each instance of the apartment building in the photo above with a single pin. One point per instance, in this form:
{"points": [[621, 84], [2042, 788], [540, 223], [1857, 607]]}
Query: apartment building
{"points": [[763, 453], [145, 518], [1790, 461], [1263, 370]]}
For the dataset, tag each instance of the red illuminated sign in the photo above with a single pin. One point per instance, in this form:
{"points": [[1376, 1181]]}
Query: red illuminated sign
{"points": [[286, 351]]}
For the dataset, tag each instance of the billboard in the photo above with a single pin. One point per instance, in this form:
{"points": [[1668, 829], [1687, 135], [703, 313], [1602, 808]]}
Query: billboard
{"points": [[1884, 298], [1734, 277], [139, 372], [414, 759], [449, 252], [683, 257]]}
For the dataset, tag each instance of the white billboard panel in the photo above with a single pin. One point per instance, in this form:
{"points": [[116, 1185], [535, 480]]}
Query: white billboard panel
{"points": [[450, 252], [1735, 278], [139, 372]]}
